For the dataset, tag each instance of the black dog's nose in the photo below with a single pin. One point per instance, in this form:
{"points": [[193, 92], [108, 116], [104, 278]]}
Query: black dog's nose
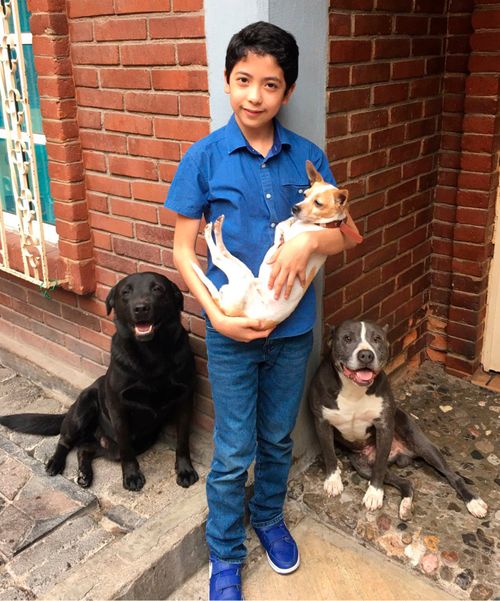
{"points": [[365, 356], [295, 209], [142, 310]]}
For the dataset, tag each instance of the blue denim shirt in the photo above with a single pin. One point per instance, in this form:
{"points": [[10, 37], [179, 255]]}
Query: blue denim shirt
{"points": [[223, 175]]}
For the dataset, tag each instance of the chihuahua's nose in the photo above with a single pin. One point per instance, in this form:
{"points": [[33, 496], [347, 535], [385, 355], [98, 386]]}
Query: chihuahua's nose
{"points": [[295, 209]]}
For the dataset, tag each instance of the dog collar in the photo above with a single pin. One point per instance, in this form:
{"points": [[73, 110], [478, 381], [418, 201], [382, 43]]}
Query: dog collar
{"points": [[336, 223]]}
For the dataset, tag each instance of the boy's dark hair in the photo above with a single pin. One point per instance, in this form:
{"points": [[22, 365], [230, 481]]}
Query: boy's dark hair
{"points": [[265, 38]]}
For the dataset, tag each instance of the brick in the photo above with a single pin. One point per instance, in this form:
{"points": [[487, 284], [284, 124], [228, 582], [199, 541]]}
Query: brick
{"points": [[133, 167], [103, 99], [362, 74], [89, 8], [137, 250], [177, 27], [194, 106], [390, 93], [95, 54], [153, 102], [369, 120], [123, 7], [187, 5], [350, 51], [408, 69], [352, 146], [135, 210], [180, 79], [108, 184], [348, 100], [184, 129], [53, 24], [411, 25], [192, 53], [160, 149], [387, 137], [109, 29], [153, 192], [94, 161], [154, 234], [148, 54], [67, 190], [371, 162], [89, 119], [133, 124], [392, 47], [43, 45], [52, 65], [58, 87], [68, 151], [125, 78], [111, 224], [71, 211], [85, 77], [103, 141], [373, 24], [81, 31]]}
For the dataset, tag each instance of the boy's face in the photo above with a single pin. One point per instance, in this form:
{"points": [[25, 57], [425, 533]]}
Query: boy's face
{"points": [[256, 91]]}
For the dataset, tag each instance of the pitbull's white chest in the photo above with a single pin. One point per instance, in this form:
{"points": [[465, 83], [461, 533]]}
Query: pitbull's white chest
{"points": [[356, 412]]}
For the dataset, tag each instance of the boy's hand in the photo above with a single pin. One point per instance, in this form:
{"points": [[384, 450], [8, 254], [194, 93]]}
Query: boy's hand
{"points": [[290, 262], [241, 329]]}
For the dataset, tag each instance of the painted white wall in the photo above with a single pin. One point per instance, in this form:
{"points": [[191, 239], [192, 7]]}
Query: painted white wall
{"points": [[307, 20]]}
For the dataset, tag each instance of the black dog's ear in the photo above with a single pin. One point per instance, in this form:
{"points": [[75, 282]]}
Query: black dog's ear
{"points": [[110, 300], [178, 296]]}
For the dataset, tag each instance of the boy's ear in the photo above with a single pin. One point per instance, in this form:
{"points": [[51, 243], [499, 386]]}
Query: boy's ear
{"points": [[288, 95], [226, 82]]}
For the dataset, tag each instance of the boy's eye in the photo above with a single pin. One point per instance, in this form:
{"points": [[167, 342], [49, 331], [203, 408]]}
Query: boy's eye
{"points": [[242, 79]]}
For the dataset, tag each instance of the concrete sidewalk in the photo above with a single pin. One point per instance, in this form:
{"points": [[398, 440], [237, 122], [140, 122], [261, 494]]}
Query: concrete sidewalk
{"points": [[58, 541]]}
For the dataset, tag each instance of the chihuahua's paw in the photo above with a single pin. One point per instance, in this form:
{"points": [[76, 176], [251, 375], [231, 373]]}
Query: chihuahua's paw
{"points": [[333, 484], [477, 507], [374, 498]]}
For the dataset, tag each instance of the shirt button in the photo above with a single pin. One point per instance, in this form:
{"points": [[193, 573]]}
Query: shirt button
{"points": [[268, 195], [301, 191], [263, 166], [273, 225]]}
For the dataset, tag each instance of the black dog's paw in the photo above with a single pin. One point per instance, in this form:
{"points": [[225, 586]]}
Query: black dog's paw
{"points": [[134, 481], [55, 466], [84, 480], [186, 474]]}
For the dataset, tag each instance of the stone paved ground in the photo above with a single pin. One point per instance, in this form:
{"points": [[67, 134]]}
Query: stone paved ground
{"points": [[50, 525], [443, 541]]}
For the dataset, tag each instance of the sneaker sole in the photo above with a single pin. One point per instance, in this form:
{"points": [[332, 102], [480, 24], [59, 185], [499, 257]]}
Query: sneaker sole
{"points": [[283, 570]]}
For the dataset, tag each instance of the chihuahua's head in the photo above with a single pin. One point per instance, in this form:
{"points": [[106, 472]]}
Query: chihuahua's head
{"points": [[323, 202]]}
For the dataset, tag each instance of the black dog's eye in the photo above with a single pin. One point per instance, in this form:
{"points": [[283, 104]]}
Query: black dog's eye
{"points": [[347, 338], [126, 292], [317, 203], [158, 289]]}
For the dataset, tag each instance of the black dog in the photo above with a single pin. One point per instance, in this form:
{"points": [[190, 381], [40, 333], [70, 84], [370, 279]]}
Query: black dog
{"points": [[150, 379], [351, 397]]}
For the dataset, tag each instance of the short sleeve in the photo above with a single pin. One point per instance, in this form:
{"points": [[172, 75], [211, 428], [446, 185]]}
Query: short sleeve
{"points": [[189, 190]]}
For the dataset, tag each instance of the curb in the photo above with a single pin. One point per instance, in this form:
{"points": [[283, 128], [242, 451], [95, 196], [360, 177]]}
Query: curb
{"points": [[148, 563]]}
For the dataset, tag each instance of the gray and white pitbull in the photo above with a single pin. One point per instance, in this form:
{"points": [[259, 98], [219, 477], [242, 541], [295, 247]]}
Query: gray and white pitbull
{"points": [[352, 402]]}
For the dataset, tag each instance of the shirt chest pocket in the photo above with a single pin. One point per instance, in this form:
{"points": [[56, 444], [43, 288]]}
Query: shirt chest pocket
{"points": [[291, 194]]}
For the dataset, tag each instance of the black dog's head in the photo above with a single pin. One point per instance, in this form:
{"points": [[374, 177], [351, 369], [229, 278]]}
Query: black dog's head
{"points": [[143, 302], [359, 350]]}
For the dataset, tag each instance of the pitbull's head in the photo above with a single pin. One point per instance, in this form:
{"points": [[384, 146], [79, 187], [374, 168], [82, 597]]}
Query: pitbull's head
{"points": [[359, 350]]}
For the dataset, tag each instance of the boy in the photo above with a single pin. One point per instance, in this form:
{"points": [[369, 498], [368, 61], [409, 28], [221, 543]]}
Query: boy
{"points": [[253, 172]]}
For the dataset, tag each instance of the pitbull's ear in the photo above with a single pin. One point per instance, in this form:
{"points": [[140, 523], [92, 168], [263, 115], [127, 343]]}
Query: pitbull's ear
{"points": [[312, 173], [178, 296], [329, 336], [110, 300], [386, 328]]}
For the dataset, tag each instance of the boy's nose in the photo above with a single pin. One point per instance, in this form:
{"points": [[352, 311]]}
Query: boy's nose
{"points": [[254, 94]]}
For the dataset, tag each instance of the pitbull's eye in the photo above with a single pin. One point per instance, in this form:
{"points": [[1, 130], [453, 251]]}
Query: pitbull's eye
{"points": [[347, 338], [317, 203], [377, 339]]}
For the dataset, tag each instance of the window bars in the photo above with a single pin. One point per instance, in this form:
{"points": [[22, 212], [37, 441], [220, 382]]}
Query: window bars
{"points": [[21, 156]]}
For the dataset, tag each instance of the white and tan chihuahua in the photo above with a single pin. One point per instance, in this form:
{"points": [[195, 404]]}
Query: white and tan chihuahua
{"points": [[248, 296]]}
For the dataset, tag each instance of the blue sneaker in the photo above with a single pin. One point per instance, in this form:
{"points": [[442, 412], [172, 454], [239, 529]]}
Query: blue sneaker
{"points": [[225, 580], [282, 552]]}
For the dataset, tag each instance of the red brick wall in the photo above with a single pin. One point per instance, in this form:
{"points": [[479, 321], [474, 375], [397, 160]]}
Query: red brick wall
{"points": [[465, 198], [137, 69], [384, 128]]}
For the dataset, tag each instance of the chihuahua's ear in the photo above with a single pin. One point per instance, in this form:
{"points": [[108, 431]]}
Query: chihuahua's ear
{"points": [[110, 300], [312, 173], [343, 196]]}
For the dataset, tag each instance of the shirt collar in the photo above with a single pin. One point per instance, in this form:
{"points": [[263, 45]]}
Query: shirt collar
{"points": [[235, 139]]}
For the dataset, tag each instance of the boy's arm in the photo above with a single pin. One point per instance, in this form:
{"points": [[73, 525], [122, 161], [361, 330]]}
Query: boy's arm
{"points": [[290, 261], [238, 328]]}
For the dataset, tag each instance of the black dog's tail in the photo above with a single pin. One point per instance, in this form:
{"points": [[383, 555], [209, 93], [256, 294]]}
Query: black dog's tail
{"points": [[34, 423]]}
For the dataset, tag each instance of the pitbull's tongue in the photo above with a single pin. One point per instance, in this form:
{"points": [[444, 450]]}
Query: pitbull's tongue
{"points": [[365, 375]]}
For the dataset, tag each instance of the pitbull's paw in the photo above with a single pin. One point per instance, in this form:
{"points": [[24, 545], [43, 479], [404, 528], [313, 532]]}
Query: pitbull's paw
{"points": [[333, 484], [477, 507], [374, 498], [405, 509]]}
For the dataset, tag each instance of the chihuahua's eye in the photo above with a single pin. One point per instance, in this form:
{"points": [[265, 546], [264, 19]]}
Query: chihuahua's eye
{"points": [[317, 203]]}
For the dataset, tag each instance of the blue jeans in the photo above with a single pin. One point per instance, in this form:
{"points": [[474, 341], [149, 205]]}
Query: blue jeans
{"points": [[256, 389]]}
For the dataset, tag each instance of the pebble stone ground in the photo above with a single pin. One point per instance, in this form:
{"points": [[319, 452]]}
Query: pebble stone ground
{"points": [[443, 541]]}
